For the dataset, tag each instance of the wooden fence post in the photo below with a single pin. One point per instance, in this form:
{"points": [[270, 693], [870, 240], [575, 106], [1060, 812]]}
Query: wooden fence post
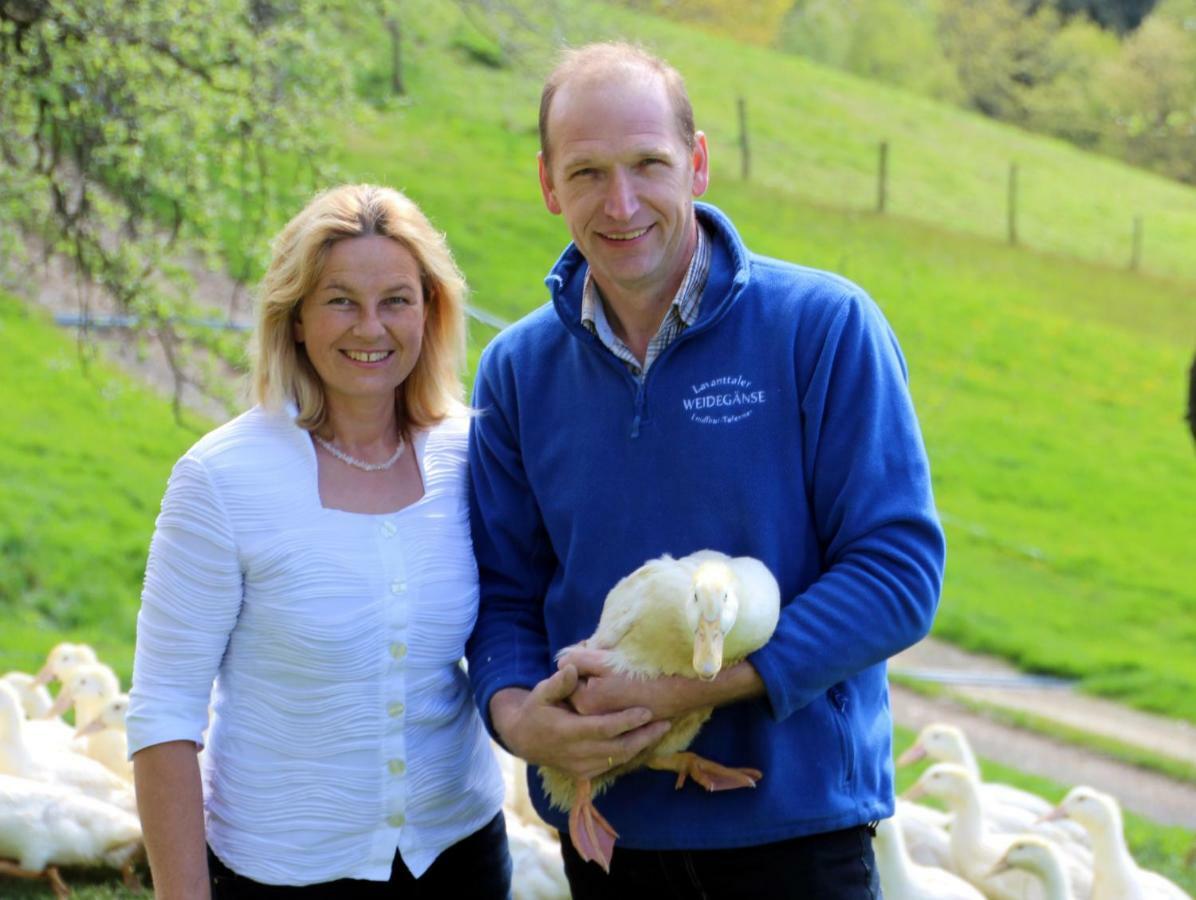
{"points": [[882, 178], [1012, 203], [1136, 252], [745, 150], [396, 55]]}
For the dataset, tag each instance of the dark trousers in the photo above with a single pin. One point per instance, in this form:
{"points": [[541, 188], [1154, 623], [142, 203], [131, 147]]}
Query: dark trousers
{"points": [[838, 865], [477, 867]]}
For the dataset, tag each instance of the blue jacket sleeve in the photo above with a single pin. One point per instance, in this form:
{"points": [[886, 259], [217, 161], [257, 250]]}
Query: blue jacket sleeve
{"points": [[509, 647], [868, 481]]}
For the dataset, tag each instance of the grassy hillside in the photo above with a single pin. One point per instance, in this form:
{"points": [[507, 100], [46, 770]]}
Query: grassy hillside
{"points": [[1050, 388], [814, 134], [83, 462], [1050, 391]]}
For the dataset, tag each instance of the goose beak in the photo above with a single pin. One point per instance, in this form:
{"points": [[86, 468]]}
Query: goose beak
{"points": [[708, 649], [1001, 865], [95, 726], [45, 676], [61, 704], [914, 792], [912, 755], [1057, 813]]}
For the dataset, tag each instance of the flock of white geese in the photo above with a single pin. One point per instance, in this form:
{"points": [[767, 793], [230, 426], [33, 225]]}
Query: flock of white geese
{"points": [[66, 799], [66, 792], [1003, 843]]}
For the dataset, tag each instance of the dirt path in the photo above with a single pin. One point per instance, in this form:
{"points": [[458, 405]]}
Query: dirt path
{"points": [[1156, 797]]}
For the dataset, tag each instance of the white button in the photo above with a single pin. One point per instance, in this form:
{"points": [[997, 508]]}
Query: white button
{"points": [[389, 529], [397, 767], [398, 651], [398, 586], [397, 820], [395, 709]]}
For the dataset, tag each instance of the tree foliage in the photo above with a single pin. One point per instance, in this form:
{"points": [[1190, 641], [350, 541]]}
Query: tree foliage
{"points": [[889, 40], [1120, 15], [1115, 76], [129, 130], [756, 22]]}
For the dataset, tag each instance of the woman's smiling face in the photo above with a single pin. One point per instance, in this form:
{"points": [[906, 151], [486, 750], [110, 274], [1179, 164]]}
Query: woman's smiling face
{"points": [[363, 323]]}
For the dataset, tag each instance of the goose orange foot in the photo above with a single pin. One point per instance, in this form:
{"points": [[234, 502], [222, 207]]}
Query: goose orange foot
{"points": [[50, 874], [709, 774], [592, 836]]}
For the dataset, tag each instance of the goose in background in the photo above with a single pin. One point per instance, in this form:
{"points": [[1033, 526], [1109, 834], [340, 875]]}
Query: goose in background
{"points": [[538, 869], [35, 699], [925, 833], [106, 739], [903, 879], [975, 848], [692, 616], [1116, 875], [63, 767], [41, 733], [1007, 809], [43, 826], [538, 872], [62, 660], [1038, 856], [88, 689]]}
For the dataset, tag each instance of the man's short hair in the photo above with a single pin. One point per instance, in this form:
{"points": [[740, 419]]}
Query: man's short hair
{"points": [[595, 61], [282, 372]]}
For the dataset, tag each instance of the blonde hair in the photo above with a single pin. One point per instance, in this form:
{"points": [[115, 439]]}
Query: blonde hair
{"points": [[283, 373], [598, 62]]}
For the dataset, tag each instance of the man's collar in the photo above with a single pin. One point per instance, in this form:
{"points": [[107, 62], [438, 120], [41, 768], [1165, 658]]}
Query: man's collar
{"points": [[685, 301]]}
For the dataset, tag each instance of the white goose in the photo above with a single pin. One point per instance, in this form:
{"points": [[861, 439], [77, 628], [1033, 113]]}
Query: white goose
{"points": [[106, 738], [63, 767], [89, 689], [43, 826], [1007, 809], [41, 733], [1116, 875], [691, 616], [925, 833], [538, 869], [35, 699], [975, 848], [1038, 856], [903, 879], [62, 659]]}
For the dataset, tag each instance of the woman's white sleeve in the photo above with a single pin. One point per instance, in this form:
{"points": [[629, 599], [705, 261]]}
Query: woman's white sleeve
{"points": [[189, 606]]}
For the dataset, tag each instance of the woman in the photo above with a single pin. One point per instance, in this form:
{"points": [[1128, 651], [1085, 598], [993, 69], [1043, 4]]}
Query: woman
{"points": [[313, 558]]}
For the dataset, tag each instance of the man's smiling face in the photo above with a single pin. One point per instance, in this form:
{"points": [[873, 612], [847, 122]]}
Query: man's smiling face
{"points": [[624, 180]]}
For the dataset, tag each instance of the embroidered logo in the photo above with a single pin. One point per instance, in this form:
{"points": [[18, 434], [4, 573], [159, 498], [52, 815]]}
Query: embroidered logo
{"points": [[722, 401]]}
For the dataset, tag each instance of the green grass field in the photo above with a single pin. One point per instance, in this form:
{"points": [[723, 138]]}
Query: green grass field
{"points": [[84, 460]]}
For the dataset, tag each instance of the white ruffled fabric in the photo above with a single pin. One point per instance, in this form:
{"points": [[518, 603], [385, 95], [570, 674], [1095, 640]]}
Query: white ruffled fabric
{"points": [[342, 722]]}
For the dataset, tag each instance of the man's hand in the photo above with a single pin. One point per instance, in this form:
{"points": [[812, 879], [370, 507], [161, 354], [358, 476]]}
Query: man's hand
{"points": [[538, 726], [601, 690]]}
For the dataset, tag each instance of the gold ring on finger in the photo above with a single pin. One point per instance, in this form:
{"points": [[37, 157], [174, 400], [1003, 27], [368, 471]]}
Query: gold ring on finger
{"points": [[610, 761]]}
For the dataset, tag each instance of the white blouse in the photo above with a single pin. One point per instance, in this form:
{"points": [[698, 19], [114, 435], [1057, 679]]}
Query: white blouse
{"points": [[342, 724]]}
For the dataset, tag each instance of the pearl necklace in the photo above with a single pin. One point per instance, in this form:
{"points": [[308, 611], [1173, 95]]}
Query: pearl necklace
{"points": [[354, 461]]}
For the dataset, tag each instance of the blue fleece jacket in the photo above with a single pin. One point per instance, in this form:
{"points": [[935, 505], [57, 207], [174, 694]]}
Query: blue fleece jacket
{"points": [[779, 425]]}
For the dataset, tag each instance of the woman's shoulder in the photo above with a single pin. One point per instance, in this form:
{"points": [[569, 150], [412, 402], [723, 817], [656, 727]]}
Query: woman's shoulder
{"points": [[257, 437], [447, 447], [451, 432]]}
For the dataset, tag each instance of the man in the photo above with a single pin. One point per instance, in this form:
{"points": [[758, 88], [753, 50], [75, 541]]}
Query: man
{"points": [[680, 393]]}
